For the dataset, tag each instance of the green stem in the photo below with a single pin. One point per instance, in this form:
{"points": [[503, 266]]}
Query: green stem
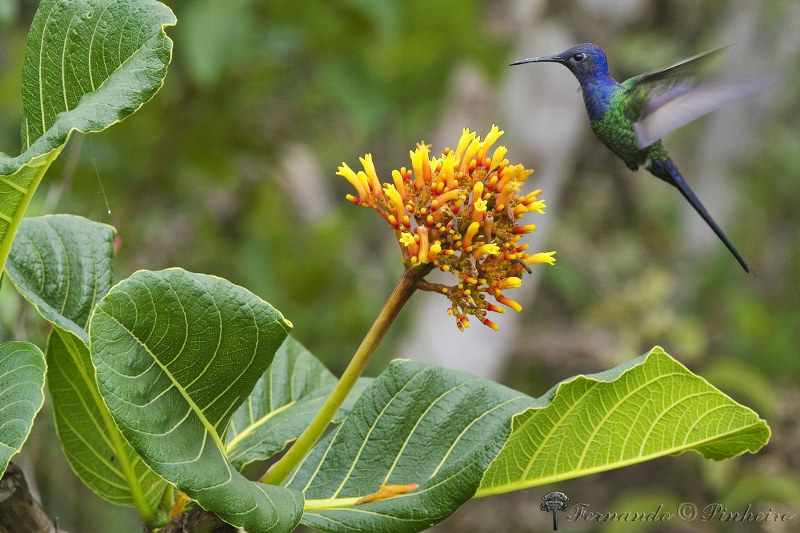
{"points": [[25, 192], [402, 292]]}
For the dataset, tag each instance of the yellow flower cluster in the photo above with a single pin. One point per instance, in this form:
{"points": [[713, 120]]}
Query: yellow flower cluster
{"points": [[458, 213]]}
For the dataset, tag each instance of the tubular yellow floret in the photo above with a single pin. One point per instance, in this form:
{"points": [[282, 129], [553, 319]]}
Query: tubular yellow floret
{"points": [[491, 138], [540, 258], [425, 160], [434, 250], [511, 282], [445, 197], [416, 164], [466, 138], [469, 155], [530, 197], [447, 172], [508, 302], [477, 192], [486, 249], [347, 173], [408, 240], [528, 228], [397, 178], [487, 322], [397, 201], [479, 210], [473, 228], [372, 177], [497, 158], [424, 249]]}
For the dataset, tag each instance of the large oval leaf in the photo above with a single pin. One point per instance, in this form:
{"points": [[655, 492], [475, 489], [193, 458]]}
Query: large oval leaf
{"points": [[88, 64], [415, 424], [176, 353], [647, 408], [62, 265], [22, 371]]}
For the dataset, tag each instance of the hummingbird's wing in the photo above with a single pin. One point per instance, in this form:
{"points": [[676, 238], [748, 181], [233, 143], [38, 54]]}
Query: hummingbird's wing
{"points": [[683, 68], [684, 102], [663, 100]]}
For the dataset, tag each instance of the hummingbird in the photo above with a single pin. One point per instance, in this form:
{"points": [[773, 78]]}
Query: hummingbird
{"points": [[631, 117]]}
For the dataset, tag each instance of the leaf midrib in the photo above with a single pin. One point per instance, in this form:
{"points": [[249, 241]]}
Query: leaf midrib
{"points": [[527, 483], [209, 427]]}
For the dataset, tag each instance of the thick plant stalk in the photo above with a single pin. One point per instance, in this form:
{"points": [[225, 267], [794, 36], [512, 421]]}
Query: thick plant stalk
{"points": [[402, 292]]}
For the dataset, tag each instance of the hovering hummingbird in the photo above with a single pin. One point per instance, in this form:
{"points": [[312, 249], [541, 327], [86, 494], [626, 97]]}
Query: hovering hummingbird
{"points": [[631, 117]]}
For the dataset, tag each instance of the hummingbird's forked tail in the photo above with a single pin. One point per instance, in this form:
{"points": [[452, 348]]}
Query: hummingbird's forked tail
{"points": [[667, 171]]}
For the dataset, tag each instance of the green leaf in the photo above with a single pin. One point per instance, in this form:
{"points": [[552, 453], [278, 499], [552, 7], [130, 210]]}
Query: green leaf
{"points": [[649, 407], [416, 424], [96, 450], [282, 404], [88, 64], [22, 369], [61, 264], [176, 353]]}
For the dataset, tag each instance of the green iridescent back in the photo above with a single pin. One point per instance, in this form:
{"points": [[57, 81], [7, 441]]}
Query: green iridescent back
{"points": [[615, 128]]}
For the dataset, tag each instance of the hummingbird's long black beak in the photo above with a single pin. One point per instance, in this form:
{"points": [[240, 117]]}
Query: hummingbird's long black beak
{"points": [[539, 59]]}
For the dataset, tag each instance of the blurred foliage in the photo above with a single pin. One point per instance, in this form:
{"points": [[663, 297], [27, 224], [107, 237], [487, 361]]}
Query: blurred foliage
{"points": [[230, 171]]}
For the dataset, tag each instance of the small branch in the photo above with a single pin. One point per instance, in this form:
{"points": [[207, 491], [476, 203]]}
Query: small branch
{"points": [[18, 510], [439, 288]]}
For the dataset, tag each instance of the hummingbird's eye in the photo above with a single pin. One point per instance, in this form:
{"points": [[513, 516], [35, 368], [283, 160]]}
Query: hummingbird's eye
{"points": [[580, 56]]}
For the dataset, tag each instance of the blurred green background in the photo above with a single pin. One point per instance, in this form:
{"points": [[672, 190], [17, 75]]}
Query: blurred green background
{"points": [[230, 169]]}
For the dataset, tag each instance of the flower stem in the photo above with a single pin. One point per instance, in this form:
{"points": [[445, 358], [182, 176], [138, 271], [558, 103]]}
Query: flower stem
{"points": [[402, 292]]}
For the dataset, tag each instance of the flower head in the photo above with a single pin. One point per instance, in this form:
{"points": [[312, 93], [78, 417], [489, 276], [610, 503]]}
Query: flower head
{"points": [[459, 213]]}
